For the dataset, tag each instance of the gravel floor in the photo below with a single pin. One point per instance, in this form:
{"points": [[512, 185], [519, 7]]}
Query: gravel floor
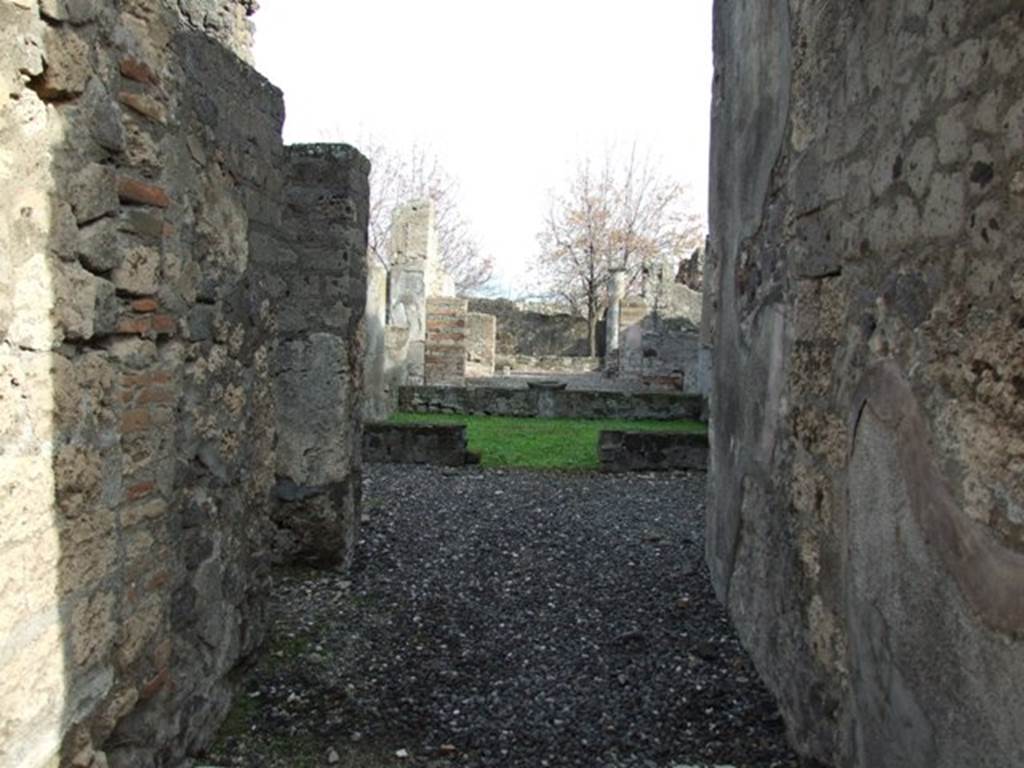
{"points": [[508, 619]]}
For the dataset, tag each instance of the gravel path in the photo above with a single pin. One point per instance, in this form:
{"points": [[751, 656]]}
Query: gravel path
{"points": [[508, 619]]}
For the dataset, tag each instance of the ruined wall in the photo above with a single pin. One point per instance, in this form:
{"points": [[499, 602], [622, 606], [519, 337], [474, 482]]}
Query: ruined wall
{"points": [[315, 285], [137, 418], [376, 390], [413, 249], [546, 364], [668, 297], [867, 466], [225, 21], [445, 359], [396, 328], [480, 343], [537, 334], [653, 340], [439, 444], [549, 402]]}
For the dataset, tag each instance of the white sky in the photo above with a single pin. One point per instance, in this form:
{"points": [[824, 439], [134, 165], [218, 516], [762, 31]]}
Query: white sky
{"points": [[508, 95]]}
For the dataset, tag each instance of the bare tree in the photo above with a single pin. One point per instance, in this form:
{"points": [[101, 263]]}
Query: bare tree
{"points": [[616, 215], [397, 178]]}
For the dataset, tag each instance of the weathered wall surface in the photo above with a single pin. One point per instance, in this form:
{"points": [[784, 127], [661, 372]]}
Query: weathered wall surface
{"points": [[413, 252], [668, 297], [480, 343], [549, 403], [144, 170], [316, 286], [536, 334], [376, 392], [445, 356], [653, 340], [441, 444], [867, 293], [546, 364], [621, 451]]}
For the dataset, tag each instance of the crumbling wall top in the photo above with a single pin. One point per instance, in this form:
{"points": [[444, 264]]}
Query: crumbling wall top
{"points": [[229, 22]]}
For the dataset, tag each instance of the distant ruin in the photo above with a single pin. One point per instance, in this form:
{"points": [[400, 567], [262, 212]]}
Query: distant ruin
{"points": [[420, 333]]}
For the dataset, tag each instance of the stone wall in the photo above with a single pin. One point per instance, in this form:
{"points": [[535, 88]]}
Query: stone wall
{"points": [[667, 296], [395, 332], [621, 451], [413, 250], [547, 364], [440, 444], [652, 346], [226, 21], [549, 403], [536, 334], [445, 360], [138, 344], [480, 343], [867, 469], [315, 284], [376, 392]]}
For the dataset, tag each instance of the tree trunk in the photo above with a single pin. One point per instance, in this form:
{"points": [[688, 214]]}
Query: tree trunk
{"points": [[592, 329]]}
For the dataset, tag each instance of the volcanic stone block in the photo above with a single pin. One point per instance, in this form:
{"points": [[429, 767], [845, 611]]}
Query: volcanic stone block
{"points": [[443, 444], [625, 451]]}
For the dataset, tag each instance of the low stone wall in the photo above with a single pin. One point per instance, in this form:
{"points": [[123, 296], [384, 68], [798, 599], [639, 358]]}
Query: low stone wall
{"points": [[550, 403], [621, 451], [415, 444], [547, 363]]}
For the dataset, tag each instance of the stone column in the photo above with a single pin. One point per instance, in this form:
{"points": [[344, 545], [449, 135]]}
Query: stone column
{"points": [[616, 290], [375, 390], [481, 337], [413, 252]]}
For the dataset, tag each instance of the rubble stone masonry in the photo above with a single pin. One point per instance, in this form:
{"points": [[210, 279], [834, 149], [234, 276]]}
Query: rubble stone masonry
{"points": [[866, 299], [153, 286]]}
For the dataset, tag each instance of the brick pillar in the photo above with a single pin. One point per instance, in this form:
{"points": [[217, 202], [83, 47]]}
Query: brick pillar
{"points": [[446, 341]]}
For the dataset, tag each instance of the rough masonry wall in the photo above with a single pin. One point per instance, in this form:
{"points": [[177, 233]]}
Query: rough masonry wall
{"points": [[376, 389], [137, 419], [536, 334], [445, 359], [867, 318], [413, 251], [316, 283], [480, 342]]}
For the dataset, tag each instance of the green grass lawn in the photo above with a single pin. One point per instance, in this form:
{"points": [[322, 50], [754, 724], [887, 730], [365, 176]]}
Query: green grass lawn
{"points": [[506, 441]]}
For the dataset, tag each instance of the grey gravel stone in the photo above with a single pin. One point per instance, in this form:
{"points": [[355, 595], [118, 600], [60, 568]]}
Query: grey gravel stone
{"points": [[504, 618]]}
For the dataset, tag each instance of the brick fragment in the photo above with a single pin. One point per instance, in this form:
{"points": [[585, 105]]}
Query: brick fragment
{"points": [[147, 378], [134, 325], [144, 105], [133, 69], [144, 305], [157, 395], [139, 490], [141, 193], [136, 420], [155, 684], [164, 324]]}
